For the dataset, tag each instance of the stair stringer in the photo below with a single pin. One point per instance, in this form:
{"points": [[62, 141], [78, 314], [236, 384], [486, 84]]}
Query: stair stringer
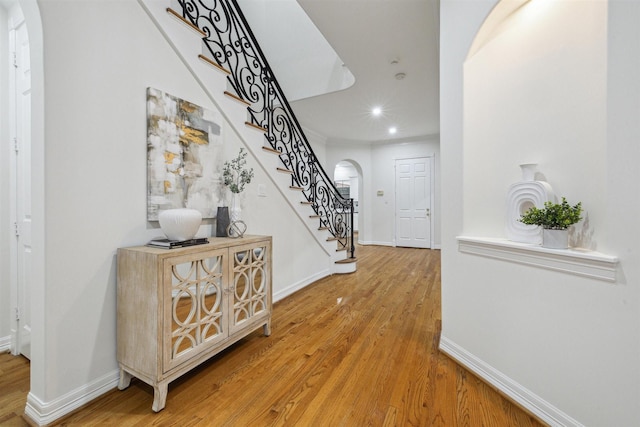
{"points": [[188, 45]]}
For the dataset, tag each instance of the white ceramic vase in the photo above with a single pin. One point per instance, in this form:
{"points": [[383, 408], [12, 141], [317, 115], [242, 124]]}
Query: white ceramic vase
{"points": [[180, 224], [521, 196], [555, 239], [235, 211]]}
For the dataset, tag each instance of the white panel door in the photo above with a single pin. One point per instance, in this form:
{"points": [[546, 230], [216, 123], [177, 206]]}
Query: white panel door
{"points": [[22, 201], [413, 202]]}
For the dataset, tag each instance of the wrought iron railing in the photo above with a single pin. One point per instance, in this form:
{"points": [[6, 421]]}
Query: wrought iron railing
{"points": [[231, 43]]}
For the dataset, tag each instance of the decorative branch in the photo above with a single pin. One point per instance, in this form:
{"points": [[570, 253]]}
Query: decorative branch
{"points": [[235, 175]]}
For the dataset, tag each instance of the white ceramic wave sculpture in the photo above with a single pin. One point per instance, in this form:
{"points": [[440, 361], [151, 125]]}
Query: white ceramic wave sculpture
{"points": [[180, 224], [522, 196]]}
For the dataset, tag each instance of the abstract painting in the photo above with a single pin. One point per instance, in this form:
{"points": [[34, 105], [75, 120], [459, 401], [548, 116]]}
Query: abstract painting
{"points": [[184, 155]]}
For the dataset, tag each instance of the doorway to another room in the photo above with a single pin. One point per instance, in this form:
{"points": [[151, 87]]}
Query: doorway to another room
{"points": [[348, 179], [414, 201]]}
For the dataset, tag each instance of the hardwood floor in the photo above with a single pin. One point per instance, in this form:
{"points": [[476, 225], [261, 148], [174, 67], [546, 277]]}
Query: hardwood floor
{"points": [[14, 386], [349, 350]]}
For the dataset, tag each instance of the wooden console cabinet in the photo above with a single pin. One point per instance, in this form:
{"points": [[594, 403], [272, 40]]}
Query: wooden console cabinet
{"points": [[179, 307]]}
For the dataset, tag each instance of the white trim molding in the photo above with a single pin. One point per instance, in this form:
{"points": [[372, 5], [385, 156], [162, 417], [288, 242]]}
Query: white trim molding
{"points": [[530, 401], [573, 261], [282, 293], [43, 413], [5, 343]]}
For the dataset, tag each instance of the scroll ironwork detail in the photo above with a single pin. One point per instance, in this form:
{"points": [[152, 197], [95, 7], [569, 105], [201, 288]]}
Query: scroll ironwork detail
{"points": [[230, 42]]}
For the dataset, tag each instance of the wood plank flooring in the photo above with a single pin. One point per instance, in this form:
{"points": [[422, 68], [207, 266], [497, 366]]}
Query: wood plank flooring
{"points": [[349, 350]]}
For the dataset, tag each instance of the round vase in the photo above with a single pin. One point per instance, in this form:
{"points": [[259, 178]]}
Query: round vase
{"points": [[521, 196], [555, 239], [180, 224]]}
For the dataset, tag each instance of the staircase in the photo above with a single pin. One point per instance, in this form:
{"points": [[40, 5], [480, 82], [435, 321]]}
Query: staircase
{"points": [[215, 42]]}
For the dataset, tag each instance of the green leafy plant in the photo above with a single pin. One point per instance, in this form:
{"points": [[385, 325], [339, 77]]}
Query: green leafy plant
{"points": [[234, 173], [554, 216]]}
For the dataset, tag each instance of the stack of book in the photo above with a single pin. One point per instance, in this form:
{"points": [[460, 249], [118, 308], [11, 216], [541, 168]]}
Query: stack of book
{"points": [[172, 244]]}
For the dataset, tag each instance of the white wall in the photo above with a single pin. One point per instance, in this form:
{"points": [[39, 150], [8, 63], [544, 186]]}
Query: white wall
{"points": [[99, 59], [376, 217], [571, 342], [5, 153], [561, 126], [305, 65]]}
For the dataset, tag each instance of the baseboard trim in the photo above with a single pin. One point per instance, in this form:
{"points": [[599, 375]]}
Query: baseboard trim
{"points": [[375, 243], [505, 385], [43, 413], [277, 296], [5, 343]]}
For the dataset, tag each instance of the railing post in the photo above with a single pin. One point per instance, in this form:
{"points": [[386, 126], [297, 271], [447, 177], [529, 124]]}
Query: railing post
{"points": [[312, 181], [352, 249]]}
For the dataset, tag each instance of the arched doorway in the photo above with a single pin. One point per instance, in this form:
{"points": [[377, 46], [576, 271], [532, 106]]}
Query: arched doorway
{"points": [[347, 176], [31, 196]]}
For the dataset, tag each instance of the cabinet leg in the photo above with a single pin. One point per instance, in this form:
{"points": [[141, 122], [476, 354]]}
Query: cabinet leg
{"points": [[266, 328], [159, 396], [125, 379]]}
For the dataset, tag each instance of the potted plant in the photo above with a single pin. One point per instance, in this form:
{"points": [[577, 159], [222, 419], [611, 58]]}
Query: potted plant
{"points": [[555, 219], [235, 176]]}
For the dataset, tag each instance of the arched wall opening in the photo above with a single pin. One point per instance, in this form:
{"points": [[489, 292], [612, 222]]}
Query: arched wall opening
{"points": [[535, 92], [347, 175]]}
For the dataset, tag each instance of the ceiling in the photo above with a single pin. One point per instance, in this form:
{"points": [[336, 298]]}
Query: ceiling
{"points": [[367, 35], [377, 39]]}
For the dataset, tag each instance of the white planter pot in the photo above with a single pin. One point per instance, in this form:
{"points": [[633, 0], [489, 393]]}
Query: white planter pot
{"points": [[180, 224], [555, 239]]}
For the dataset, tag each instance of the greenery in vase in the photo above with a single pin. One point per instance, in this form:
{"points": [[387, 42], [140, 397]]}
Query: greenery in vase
{"points": [[554, 216], [235, 175]]}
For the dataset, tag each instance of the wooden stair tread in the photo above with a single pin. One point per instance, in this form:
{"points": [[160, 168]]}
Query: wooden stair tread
{"points": [[322, 228], [331, 239], [306, 203], [314, 216], [293, 187], [255, 126], [271, 150], [179, 17], [282, 170], [346, 261], [236, 98], [213, 63]]}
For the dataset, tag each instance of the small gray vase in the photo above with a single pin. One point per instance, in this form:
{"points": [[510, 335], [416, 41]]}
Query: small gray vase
{"points": [[222, 221]]}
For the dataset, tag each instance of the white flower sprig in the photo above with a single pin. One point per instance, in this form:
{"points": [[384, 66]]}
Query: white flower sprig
{"points": [[234, 173]]}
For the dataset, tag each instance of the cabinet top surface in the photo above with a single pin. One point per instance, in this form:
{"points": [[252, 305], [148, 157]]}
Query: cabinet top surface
{"points": [[214, 243]]}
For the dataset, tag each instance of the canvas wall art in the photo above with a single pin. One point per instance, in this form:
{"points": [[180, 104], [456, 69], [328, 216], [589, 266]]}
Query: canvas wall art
{"points": [[184, 155]]}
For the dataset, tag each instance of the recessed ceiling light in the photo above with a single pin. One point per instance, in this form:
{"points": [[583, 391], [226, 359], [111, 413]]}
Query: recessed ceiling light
{"points": [[376, 111], [392, 130]]}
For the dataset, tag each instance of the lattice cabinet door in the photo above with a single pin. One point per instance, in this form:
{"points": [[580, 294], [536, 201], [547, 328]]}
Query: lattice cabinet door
{"points": [[195, 312], [250, 289]]}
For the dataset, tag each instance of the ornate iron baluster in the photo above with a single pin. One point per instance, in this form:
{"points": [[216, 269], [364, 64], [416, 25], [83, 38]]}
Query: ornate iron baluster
{"points": [[231, 43]]}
